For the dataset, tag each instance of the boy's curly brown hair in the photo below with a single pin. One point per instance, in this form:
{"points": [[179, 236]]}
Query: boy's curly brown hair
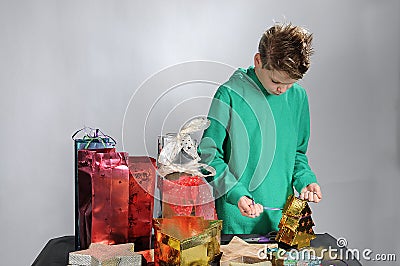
{"points": [[287, 48]]}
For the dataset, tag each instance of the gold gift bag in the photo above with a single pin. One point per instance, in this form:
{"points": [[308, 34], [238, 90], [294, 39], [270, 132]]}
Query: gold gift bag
{"points": [[186, 240]]}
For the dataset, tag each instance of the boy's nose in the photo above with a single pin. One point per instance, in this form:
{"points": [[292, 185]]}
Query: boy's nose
{"points": [[282, 89]]}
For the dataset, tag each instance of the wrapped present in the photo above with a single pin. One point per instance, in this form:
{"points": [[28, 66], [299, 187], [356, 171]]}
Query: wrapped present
{"points": [[239, 252], [148, 255], [103, 197], [92, 139], [295, 226], [184, 190], [141, 201], [187, 240], [110, 255]]}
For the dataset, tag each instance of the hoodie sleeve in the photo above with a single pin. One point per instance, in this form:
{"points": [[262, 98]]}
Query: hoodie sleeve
{"points": [[214, 149], [302, 174]]}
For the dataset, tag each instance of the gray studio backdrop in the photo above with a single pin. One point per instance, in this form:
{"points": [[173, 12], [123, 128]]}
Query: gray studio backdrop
{"points": [[66, 64]]}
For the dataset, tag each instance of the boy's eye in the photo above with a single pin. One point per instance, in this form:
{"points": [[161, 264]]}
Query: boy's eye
{"points": [[276, 82]]}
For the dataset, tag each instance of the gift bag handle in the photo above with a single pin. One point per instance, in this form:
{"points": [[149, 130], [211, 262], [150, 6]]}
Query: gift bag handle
{"points": [[95, 135]]}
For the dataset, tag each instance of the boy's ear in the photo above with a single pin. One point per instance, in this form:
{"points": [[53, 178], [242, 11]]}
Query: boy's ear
{"points": [[257, 60]]}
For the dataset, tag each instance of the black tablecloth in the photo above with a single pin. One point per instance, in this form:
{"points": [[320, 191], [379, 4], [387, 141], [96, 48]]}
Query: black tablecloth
{"points": [[55, 252]]}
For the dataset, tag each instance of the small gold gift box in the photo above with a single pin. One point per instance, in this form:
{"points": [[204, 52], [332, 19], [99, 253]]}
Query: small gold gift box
{"points": [[186, 240], [295, 226]]}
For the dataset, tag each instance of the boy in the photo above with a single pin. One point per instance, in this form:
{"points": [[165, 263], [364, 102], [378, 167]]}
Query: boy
{"points": [[259, 132]]}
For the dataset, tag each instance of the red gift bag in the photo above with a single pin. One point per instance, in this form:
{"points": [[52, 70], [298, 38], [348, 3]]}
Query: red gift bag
{"points": [[89, 139], [141, 200], [103, 182]]}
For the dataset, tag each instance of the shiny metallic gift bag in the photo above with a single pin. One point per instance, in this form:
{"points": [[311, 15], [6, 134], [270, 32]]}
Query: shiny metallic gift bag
{"points": [[186, 240], [103, 185], [89, 139], [142, 176]]}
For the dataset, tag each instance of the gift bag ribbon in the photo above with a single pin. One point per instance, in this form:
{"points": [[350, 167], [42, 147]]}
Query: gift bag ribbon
{"points": [[183, 142]]}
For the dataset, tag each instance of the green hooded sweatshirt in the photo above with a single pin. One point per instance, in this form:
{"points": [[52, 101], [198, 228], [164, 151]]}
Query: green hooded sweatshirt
{"points": [[257, 143]]}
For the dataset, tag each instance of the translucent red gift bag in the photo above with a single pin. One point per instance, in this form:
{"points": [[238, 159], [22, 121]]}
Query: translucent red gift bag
{"points": [[184, 190], [188, 196]]}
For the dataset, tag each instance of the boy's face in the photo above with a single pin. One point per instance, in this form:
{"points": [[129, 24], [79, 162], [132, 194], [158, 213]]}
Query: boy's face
{"points": [[275, 82]]}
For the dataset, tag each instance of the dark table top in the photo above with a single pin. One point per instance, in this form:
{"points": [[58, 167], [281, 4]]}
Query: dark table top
{"points": [[56, 251]]}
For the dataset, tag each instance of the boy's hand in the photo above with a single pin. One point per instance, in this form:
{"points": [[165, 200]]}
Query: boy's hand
{"points": [[249, 208], [312, 193]]}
